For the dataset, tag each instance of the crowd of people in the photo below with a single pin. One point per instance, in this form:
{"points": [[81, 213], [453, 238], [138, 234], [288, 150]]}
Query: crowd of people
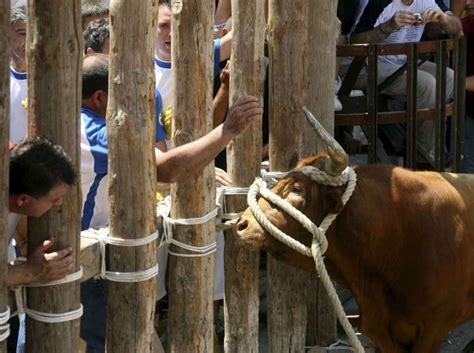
{"points": [[362, 21]]}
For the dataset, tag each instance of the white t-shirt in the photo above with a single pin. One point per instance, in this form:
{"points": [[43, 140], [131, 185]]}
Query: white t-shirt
{"points": [[13, 220], [379, 11], [18, 106]]}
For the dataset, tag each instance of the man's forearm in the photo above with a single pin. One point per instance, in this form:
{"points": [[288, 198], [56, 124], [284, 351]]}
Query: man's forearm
{"points": [[192, 157], [18, 275], [220, 106], [470, 83], [452, 24], [376, 35]]}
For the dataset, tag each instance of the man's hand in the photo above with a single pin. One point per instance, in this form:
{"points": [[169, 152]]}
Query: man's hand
{"points": [[242, 114], [222, 178], [434, 15], [401, 19], [46, 267], [225, 77]]}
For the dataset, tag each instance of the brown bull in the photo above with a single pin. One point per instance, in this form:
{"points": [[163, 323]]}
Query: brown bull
{"points": [[403, 244]]}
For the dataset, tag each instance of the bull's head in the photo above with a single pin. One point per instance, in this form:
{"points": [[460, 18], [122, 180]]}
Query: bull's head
{"points": [[314, 200]]}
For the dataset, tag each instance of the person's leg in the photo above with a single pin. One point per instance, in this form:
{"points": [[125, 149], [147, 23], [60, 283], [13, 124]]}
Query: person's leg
{"points": [[20, 347], [94, 319], [425, 98], [430, 67]]}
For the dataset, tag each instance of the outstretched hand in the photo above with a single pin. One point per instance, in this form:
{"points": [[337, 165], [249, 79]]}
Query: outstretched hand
{"points": [[245, 111], [46, 267]]}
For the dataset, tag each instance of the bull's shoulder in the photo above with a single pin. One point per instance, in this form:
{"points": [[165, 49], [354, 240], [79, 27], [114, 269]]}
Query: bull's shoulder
{"points": [[402, 185]]}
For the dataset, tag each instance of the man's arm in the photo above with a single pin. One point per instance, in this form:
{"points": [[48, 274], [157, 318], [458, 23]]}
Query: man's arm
{"points": [[450, 23], [41, 267], [382, 31], [470, 83], [226, 46], [457, 7], [192, 157], [221, 100]]}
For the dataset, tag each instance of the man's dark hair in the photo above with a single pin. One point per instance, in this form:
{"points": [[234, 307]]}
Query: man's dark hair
{"points": [[95, 35], [95, 74], [166, 3], [37, 165]]}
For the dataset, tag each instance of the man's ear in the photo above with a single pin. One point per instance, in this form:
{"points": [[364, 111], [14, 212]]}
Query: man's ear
{"points": [[224, 31], [89, 51], [23, 200]]}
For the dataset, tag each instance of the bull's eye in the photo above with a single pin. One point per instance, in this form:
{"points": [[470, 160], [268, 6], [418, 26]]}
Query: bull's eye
{"points": [[296, 189]]}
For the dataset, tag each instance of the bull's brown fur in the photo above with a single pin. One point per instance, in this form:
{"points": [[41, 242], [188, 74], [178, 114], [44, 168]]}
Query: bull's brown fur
{"points": [[403, 244]]}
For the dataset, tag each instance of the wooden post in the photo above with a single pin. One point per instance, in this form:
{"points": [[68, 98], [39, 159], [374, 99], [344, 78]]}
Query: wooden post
{"points": [[322, 35], [54, 100], [241, 265], [288, 86], [132, 173], [191, 279], [4, 132]]}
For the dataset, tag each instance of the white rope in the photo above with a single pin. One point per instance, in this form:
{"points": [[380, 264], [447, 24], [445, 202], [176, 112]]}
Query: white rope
{"points": [[115, 276], [4, 325], [319, 244], [22, 308], [195, 251]]}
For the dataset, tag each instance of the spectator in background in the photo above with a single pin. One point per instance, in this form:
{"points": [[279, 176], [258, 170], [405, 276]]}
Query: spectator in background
{"points": [[93, 10], [97, 37], [386, 21], [18, 75], [468, 28]]}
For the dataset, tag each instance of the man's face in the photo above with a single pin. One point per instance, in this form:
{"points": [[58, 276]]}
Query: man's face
{"points": [[36, 207], [163, 34], [18, 41]]}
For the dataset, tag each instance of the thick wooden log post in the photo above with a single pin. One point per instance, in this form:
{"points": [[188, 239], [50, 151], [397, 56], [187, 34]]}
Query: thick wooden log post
{"points": [[4, 129], [287, 309], [322, 35], [191, 279], [54, 100], [132, 173], [244, 156]]}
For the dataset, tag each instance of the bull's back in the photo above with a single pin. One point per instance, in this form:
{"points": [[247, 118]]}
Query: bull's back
{"points": [[417, 230]]}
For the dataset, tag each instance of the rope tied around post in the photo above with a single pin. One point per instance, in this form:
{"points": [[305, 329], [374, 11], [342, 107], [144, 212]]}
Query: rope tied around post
{"points": [[22, 308], [4, 325], [102, 235], [163, 209], [319, 243]]}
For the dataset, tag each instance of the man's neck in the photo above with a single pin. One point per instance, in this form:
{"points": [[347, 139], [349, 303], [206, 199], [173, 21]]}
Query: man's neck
{"points": [[407, 2], [93, 109], [19, 66], [162, 56]]}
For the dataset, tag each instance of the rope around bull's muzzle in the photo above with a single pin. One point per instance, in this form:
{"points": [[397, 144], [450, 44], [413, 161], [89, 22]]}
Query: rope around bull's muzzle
{"points": [[319, 243]]}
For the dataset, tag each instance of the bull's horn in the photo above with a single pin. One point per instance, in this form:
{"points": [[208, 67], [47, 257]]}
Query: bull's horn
{"points": [[338, 157]]}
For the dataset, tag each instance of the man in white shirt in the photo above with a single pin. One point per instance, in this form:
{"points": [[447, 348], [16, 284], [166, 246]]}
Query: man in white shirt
{"points": [[18, 78], [401, 21]]}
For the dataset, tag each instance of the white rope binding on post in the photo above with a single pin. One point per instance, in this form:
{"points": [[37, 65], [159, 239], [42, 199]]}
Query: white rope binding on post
{"points": [[319, 244], [4, 325], [115, 276], [163, 209], [21, 302]]}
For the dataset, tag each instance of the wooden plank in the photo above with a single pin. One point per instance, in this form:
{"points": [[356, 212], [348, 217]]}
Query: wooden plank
{"points": [[191, 290], [54, 99], [322, 32], [242, 266], [4, 135], [132, 173], [287, 310]]}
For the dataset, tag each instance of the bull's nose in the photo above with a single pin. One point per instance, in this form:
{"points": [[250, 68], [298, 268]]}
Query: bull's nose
{"points": [[242, 225]]}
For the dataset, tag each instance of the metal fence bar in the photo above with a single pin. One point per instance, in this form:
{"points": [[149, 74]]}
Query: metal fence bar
{"points": [[412, 69], [372, 103], [440, 105]]}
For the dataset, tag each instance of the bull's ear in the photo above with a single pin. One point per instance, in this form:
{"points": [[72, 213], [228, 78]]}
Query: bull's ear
{"points": [[332, 199]]}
